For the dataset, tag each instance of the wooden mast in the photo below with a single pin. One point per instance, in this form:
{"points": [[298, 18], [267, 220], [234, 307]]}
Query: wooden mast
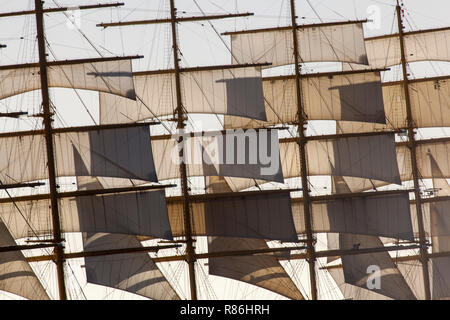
{"points": [[190, 256], [412, 147], [47, 119], [302, 148]]}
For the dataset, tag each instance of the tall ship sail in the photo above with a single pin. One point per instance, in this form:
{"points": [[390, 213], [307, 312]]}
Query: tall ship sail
{"points": [[185, 150]]}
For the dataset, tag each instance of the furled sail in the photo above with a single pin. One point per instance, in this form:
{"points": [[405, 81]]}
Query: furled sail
{"points": [[120, 153], [249, 154], [350, 96], [132, 272], [113, 77], [224, 90], [16, 275], [317, 43]]}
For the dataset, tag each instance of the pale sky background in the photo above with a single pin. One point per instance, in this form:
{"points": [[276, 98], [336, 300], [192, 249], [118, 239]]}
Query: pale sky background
{"points": [[199, 45]]}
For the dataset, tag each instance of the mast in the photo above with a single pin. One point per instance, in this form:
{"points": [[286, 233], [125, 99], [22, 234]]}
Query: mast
{"points": [[47, 119], [412, 146], [181, 117], [190, 257], [302, 148]]}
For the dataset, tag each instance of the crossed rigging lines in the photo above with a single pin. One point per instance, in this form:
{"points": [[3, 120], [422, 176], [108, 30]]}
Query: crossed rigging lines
{"points": [[216, 115]]}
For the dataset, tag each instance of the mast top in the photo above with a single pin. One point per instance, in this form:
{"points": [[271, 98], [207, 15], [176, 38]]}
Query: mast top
{"points": [[60, 9]]}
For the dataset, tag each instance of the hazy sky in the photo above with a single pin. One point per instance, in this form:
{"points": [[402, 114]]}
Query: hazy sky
{"points": [[199, 45]]}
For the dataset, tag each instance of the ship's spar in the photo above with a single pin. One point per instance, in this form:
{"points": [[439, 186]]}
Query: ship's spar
{"points": [[57, 243], [186, 198]]}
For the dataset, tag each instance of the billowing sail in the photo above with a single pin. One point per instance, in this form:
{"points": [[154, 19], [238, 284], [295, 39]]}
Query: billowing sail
{"points": [[394, 109], [317, 43], [437, 148], [121, 153], [249, 154], [440, 231], [260, 270], [412, 272], [383, 51], [426, 207], [430, 101], [16, 275], [351, 96], [363, 154], [351, 292], [371, 157], [142, 213], [132, 272], [430, 106], [131, 213], [439, 267], [242, 215], [378, 215], [374, 271], [113, 77], [231, 91], [431, 44]]}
